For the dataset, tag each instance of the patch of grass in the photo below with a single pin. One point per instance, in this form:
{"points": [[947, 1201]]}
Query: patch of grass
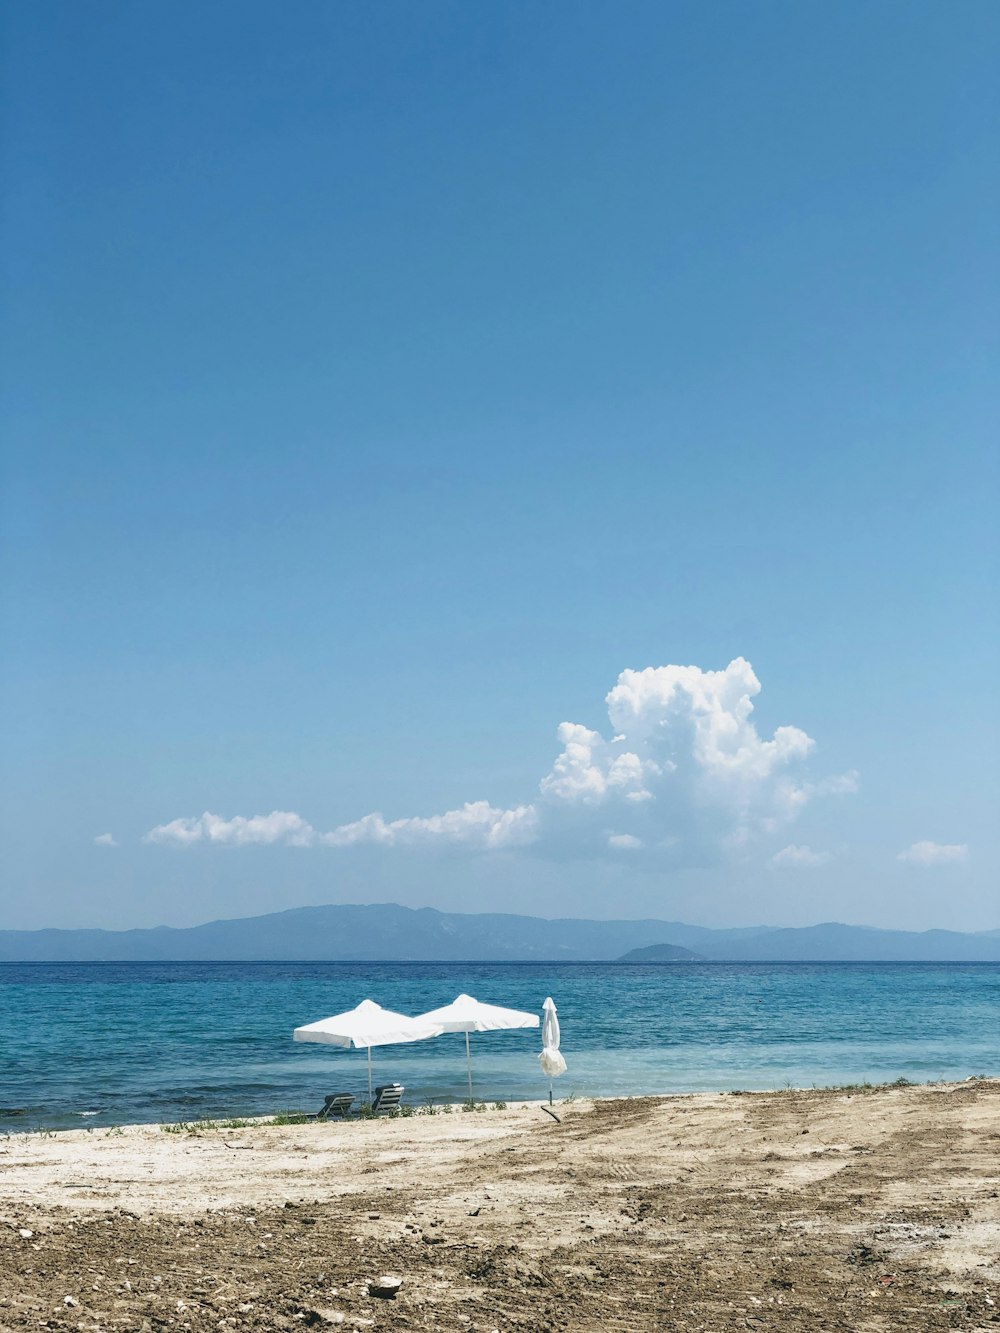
{"points": [[289, 1118], [499, 1106], [866, 1086], [206, 1126]]}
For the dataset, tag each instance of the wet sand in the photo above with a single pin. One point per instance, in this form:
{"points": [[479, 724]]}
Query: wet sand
{"points": [[828, 1210]]}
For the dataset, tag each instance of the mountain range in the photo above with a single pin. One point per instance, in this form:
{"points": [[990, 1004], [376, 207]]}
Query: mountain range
{"points": [[387, 931]]}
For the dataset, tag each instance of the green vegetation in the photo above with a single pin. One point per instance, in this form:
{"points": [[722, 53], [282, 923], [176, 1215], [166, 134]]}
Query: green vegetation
{"points": [[205, 1126], [362, 1112]]}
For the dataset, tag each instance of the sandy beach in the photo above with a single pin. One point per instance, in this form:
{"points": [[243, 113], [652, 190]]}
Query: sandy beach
{"points": [[834, 1209]]}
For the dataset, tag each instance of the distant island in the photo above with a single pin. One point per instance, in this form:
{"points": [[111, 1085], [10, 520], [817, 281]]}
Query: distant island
{"points": [[391, 933], [662, 953]]}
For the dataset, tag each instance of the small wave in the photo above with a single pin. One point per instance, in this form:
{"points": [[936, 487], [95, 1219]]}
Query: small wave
{"points": [[86, 1113]]}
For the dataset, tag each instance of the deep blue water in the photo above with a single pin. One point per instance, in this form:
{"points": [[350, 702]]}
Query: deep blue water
{"points": [[178, 1041]]}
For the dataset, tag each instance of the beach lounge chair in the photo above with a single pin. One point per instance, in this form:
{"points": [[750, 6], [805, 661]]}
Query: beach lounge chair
{"points": [[338, 1103], [387, 1097]]}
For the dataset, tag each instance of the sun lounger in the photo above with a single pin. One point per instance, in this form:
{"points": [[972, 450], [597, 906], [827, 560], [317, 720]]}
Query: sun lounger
{"points": [[387, 1097], [338, 1103]]}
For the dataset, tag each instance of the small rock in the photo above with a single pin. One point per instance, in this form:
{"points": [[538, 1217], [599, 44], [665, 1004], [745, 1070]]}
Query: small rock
{"points": [[70, 1301], [26, 1233], [385, 1287]]}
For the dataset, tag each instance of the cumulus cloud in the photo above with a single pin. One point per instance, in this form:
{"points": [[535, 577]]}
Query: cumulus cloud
{"points": [[796, 857], [624, 842], [934, 853], [280, 826], [105, 840], [477, 824], [682, 776]]}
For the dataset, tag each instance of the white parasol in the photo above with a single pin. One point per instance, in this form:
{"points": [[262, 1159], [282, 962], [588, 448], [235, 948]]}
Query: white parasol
{"points": [[366, 1026], [467, 1014], [550, 1058]]}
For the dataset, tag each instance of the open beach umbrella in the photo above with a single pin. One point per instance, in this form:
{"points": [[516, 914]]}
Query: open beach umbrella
{"points": [[366, 1026], [549, 1057], [467, 1014]]}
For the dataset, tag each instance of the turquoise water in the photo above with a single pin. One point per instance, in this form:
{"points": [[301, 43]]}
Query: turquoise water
{"points": [[108, 1043]]}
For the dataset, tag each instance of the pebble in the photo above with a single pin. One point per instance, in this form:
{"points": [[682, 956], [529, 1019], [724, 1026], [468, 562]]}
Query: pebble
{"points": [[26, 1233], [386, 1286]]}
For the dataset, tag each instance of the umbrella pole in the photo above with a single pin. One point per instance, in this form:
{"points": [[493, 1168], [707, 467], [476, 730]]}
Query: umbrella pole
{"points": [[369, 1076], [468, 1063], [550, 1092]]}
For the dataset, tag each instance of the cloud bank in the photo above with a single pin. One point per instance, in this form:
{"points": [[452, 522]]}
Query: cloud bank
{"points": [[935, 853], [682, 777]]}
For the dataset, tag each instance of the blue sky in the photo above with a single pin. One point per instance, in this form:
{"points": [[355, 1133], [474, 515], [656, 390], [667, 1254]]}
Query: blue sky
{"points": [[381, 382]]}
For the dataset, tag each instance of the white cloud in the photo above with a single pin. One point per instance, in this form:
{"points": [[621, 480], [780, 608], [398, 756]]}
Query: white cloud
{"points": [[624, 842], [794, 856], [935, 853], [683, 777], [477, 824], [105, 840], [280, 826]]}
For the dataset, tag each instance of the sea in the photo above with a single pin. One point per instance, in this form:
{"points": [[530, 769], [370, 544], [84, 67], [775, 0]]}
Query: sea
{"points": [[103, 1044]]}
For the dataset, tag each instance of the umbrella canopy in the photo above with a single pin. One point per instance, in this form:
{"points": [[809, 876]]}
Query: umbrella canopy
{"points": [[366, 1026], [467, 1014], [549, 1057]]}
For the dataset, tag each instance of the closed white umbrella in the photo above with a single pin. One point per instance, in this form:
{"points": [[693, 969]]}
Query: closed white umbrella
{"points": [[550, 1057], [467, 1014], [366, 1026]]}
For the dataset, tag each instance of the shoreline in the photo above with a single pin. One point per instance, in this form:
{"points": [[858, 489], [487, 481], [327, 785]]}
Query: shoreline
{"points": [[444, 1107], [459, 1106], [862, 1208]]}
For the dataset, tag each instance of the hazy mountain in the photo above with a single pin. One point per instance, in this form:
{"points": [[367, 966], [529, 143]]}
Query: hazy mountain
{"points": [[388, 931]]}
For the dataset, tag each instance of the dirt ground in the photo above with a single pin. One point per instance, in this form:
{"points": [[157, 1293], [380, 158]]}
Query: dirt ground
{"points": [[829, 1210]]}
